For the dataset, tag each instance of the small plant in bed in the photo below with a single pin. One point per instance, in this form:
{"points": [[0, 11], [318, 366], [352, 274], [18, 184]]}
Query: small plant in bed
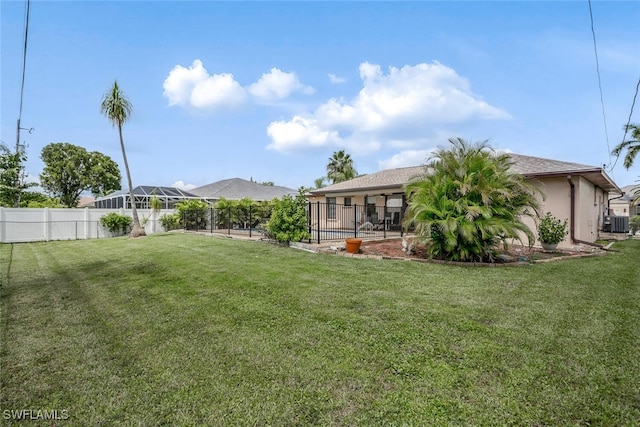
{"points": [[552, 230]]}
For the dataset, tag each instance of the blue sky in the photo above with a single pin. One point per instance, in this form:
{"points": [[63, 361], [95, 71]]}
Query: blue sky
{"points": [[269, 90]]}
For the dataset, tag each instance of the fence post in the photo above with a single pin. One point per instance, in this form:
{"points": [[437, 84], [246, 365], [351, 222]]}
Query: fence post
{"points": [[2, 225], [229, 220], [318, 213], [87, 225], [212, 219], [355, 219], [47, 225], [250, 221], [309, 219]]}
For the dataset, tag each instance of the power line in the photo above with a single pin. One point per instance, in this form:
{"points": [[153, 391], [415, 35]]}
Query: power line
{"points": [[595, 50], [24, 68]]}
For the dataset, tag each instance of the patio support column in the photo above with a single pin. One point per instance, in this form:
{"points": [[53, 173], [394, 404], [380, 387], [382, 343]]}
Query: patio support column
{"points": [[384, 217]]}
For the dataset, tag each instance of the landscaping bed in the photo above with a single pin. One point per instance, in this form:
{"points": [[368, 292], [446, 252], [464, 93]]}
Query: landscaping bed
{"points": [[516, 254]]}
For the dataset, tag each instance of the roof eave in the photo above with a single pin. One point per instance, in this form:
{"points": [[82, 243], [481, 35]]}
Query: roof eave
{"points": [[320, 191], [604, 182]]}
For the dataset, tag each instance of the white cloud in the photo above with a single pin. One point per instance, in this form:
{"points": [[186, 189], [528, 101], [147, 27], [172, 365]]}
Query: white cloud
{"points": [[277, 84], [408, 103], [181, 185], [406, 158], [299, 130], [195, 87], [335, 79]]}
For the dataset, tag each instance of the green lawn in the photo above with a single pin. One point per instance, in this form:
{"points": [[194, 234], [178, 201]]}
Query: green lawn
{"points": [[190, 330]]}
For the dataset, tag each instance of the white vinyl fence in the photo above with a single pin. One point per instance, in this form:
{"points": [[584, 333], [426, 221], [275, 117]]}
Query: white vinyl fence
{"points": [[44, 224]]}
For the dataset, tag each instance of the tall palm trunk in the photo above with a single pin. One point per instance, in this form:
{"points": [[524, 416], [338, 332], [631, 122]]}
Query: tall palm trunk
{"points": [[137, 230]]}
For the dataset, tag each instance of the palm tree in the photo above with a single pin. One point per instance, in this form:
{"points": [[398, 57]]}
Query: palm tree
{"points": [[632, 146], [340, 167], [468, 201], [319, 183], [117, 108]]}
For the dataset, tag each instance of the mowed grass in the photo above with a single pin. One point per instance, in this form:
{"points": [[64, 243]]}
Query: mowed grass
{"points": [[190, 330]]}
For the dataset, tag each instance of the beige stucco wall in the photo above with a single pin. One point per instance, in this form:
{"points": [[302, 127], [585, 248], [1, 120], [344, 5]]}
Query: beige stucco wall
{"points": [[590, 203]]}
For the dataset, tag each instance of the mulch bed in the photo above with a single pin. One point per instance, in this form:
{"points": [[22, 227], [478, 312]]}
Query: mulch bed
{"points": [[516, 255]]}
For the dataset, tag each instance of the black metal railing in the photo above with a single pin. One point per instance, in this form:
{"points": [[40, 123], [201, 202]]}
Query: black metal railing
{"points": [[325, 221], [331, 221]]}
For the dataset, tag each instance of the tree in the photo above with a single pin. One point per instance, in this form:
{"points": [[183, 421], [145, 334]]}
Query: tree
{"points": [[12, 177], [117, 108], [319, 183], [467, 202], [340, 167], [632, 145], [69, 170], [104, 174], [34, 199]]}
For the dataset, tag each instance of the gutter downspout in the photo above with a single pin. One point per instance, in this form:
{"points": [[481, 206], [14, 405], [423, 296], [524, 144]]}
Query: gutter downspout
{"points": [[572, 220]]}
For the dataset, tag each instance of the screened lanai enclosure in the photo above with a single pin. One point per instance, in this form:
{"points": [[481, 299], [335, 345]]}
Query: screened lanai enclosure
{"points": [[143, 194]]}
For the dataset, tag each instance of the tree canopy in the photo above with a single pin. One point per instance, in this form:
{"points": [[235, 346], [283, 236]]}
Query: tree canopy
{"points": [[468, 201], [631, 145], [70, 169]]}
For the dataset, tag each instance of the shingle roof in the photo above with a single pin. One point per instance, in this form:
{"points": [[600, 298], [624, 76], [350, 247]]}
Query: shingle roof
{"points": [[390, 178], [237, 188], [529, 166]]}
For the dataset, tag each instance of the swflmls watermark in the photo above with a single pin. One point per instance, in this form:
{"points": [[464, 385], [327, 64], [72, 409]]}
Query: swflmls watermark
{"points": [[35, 414]]}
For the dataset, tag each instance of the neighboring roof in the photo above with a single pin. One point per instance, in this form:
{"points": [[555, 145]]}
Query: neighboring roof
{"points": [[86, 201], [148, 190], [629, 195], [237, 188], [529, 166]]}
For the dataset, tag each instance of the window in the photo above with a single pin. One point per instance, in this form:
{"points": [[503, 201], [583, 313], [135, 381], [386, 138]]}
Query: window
{"points": [[331, 208], [347, 201]]}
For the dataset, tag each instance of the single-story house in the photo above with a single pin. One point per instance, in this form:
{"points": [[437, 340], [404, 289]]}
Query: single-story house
{"points": [[238, 188], [577, 192], [624, 205]]}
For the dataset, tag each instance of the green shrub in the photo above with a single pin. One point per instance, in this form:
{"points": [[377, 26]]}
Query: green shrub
{"points": [[116, 223], [552, 230], [288, 221], [193, 214], [241, 213], [170, 221]]}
